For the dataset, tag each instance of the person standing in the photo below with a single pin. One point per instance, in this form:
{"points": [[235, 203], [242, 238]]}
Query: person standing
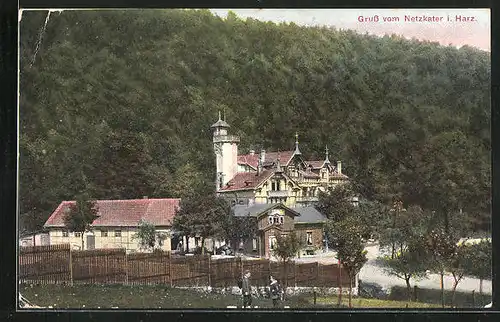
{"points": [[246, 290], [275, 290]]}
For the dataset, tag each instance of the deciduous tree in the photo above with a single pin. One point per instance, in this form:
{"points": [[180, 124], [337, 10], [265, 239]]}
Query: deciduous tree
{"points": [[80, 216]]}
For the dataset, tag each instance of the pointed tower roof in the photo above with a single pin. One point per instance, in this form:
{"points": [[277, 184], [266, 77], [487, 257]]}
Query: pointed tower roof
{"points": [[326, 155], [220, 123], [297, 151]]}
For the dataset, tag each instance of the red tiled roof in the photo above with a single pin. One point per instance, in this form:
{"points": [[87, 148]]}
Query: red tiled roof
{"points": [[253, 160], [246, 180], [249, 159], [316, 164], [129, 213]]}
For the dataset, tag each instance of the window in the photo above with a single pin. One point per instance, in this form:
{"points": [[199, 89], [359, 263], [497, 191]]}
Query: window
{"points": [[309, 238], [78, 234], [273, 186], [270, 220], [104, 233], [272, 242], [65, 233], [254, 244], [281, 219], [118, 233]]}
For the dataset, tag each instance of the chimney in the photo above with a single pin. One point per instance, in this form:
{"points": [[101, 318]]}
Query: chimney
{"points": [[252, 152], [339, 167], [262, 155]]}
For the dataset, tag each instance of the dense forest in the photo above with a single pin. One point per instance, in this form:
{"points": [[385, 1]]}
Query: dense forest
{"points": [[119, 104]]}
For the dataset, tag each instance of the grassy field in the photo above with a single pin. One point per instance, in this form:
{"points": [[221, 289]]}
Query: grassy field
{"points": [[161, 297]]}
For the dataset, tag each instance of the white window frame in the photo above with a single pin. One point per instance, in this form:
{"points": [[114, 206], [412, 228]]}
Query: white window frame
{"points": [[309, 234]]}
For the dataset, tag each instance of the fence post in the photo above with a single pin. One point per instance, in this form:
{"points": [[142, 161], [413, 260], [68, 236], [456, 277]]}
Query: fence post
{"points": [[170, 269], [209, 270], [295, 274], [126, 267], [70, 267], [241, 266]]}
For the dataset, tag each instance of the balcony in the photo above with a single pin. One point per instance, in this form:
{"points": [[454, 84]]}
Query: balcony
{"points": [[278, 194], [226, 138], [307, 199]]}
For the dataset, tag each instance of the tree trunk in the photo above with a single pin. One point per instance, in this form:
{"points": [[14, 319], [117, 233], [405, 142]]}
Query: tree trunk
{"points": [[393, 251], [340, 284], [408, 286], [480, 286], [82, 241], [350, 291], [453, 291], [203, 245], [442, 288], [285, 267], [187, 243]]}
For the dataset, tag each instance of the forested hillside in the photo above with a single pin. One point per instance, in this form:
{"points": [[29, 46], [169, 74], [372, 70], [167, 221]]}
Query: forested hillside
{"points": [[120, 103]]}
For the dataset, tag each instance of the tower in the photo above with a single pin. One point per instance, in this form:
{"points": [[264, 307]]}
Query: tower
{"points": [[226, 153]]}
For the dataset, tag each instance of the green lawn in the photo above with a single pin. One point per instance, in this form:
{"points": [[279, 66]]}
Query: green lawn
{"points": [[154, 297]]}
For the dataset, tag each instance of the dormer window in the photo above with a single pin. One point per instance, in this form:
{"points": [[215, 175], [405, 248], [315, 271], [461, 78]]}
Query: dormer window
{"points": [[276, 220]]}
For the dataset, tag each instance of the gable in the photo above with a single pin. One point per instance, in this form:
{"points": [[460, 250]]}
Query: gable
{"points": [[278, 175]]}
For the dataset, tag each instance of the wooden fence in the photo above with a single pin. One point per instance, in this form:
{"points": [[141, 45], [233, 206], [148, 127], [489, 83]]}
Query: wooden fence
{"points": [[59, 264]]}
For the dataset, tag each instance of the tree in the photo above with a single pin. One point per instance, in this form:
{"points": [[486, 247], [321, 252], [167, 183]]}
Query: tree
{"points": [[146, 235], [345, 237], [479, 263], [286, 248], [457, 265], [441, 247], [414, 142], [203, 216], [399, 227], [407, 264], [80, 216], [240, 229]]}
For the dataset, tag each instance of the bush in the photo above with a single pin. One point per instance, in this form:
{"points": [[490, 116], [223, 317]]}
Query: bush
{"points": [[425, 295]]}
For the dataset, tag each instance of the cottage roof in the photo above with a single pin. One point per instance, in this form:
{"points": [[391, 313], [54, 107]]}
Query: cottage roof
{"points": [[309, 215], [124, 213], [302, 214]]}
